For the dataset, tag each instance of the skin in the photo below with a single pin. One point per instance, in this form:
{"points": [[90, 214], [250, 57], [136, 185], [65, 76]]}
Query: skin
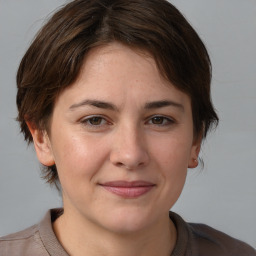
{"points": [[129, 138]]}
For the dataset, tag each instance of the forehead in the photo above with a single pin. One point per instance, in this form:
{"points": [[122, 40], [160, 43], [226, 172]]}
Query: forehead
{"points": [[115, 71], [107, 57]]}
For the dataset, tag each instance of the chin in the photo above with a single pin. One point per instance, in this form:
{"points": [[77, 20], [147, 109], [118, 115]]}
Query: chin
{"points": [[128, 221]]}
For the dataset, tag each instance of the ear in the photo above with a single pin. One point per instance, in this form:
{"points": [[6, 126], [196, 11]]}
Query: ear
{"points": [[42, 145], [195, 150]]}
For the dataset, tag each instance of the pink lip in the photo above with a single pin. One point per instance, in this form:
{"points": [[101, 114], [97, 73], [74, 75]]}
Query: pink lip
{"points": [[127, 189]]}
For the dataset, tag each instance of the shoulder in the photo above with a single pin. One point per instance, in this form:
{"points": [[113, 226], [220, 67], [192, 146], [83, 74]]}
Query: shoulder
{"points": [[195, 239], [26, 242], [38, 240], [208, 239], [24, 234]]}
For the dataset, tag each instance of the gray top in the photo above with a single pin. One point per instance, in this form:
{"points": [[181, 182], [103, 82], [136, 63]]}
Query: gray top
{"points": [[192, 240]]}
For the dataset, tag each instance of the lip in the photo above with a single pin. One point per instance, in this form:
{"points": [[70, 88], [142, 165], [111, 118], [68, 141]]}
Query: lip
{"points": [[128, 189]]}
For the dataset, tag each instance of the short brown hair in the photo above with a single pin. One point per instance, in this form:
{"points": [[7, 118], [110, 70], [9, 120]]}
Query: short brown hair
{"points": [[54, 59]]}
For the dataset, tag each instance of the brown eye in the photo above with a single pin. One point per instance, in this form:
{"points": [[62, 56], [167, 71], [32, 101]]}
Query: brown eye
{"points": [[95, 123], [95, 120], [158, 120], [161, 121]]}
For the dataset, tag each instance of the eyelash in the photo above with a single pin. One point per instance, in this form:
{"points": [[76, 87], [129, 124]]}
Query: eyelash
{"points": [[87, 121], [166, 121]]}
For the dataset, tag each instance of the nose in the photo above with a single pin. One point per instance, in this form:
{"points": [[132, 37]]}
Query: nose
{"points": [[129, 149]]}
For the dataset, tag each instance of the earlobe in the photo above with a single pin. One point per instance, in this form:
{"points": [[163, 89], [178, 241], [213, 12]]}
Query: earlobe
{"points": [[42, 145], [193, 162]]}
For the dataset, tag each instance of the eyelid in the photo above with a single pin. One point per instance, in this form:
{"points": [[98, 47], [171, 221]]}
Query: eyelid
{"points": [[169, 119], [85, 121]]}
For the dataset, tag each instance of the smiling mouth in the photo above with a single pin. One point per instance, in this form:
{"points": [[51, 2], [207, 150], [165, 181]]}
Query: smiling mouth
{"points": [[126, 189]]}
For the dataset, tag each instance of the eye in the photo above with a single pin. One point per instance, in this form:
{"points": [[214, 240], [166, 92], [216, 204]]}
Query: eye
{"points": [[161, 121], [94, 121], [158, 120]]}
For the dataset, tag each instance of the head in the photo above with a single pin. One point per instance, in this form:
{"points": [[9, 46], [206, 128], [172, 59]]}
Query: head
{"points": [[54, 60]]}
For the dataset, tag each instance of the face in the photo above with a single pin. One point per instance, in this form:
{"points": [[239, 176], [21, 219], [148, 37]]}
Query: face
{"points": [[122, 140]]}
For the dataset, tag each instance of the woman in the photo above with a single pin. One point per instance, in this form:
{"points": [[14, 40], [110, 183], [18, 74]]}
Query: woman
{"points": [[115, 96]]}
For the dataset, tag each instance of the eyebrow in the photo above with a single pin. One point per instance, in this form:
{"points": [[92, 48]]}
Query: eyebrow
{"points": [[95, 103], [110, 106], [163, 103]]}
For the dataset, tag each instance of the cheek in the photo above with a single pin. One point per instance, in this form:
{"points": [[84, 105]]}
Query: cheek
{"points": [[173, 151], [171, 156], [75, 156]]}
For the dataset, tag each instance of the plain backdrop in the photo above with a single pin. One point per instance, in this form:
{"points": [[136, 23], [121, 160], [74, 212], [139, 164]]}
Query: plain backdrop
{"points": [[223, 194]]}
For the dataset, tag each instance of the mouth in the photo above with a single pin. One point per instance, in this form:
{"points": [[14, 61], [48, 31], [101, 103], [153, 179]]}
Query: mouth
{"points": [[127, 189]]}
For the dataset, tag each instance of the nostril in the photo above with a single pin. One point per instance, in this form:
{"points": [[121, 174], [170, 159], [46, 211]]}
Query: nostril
{"points": [[129, 154], [126, 166], [119, 164]]}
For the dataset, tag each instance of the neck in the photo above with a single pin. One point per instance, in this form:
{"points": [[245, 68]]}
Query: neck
{"points": [[80, 237]]}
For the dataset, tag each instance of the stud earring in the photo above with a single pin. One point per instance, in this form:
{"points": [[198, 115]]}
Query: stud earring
{"points": [[193, 163]]}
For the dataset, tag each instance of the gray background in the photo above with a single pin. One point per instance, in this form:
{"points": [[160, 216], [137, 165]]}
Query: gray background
{"points": [[223, 194]]}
